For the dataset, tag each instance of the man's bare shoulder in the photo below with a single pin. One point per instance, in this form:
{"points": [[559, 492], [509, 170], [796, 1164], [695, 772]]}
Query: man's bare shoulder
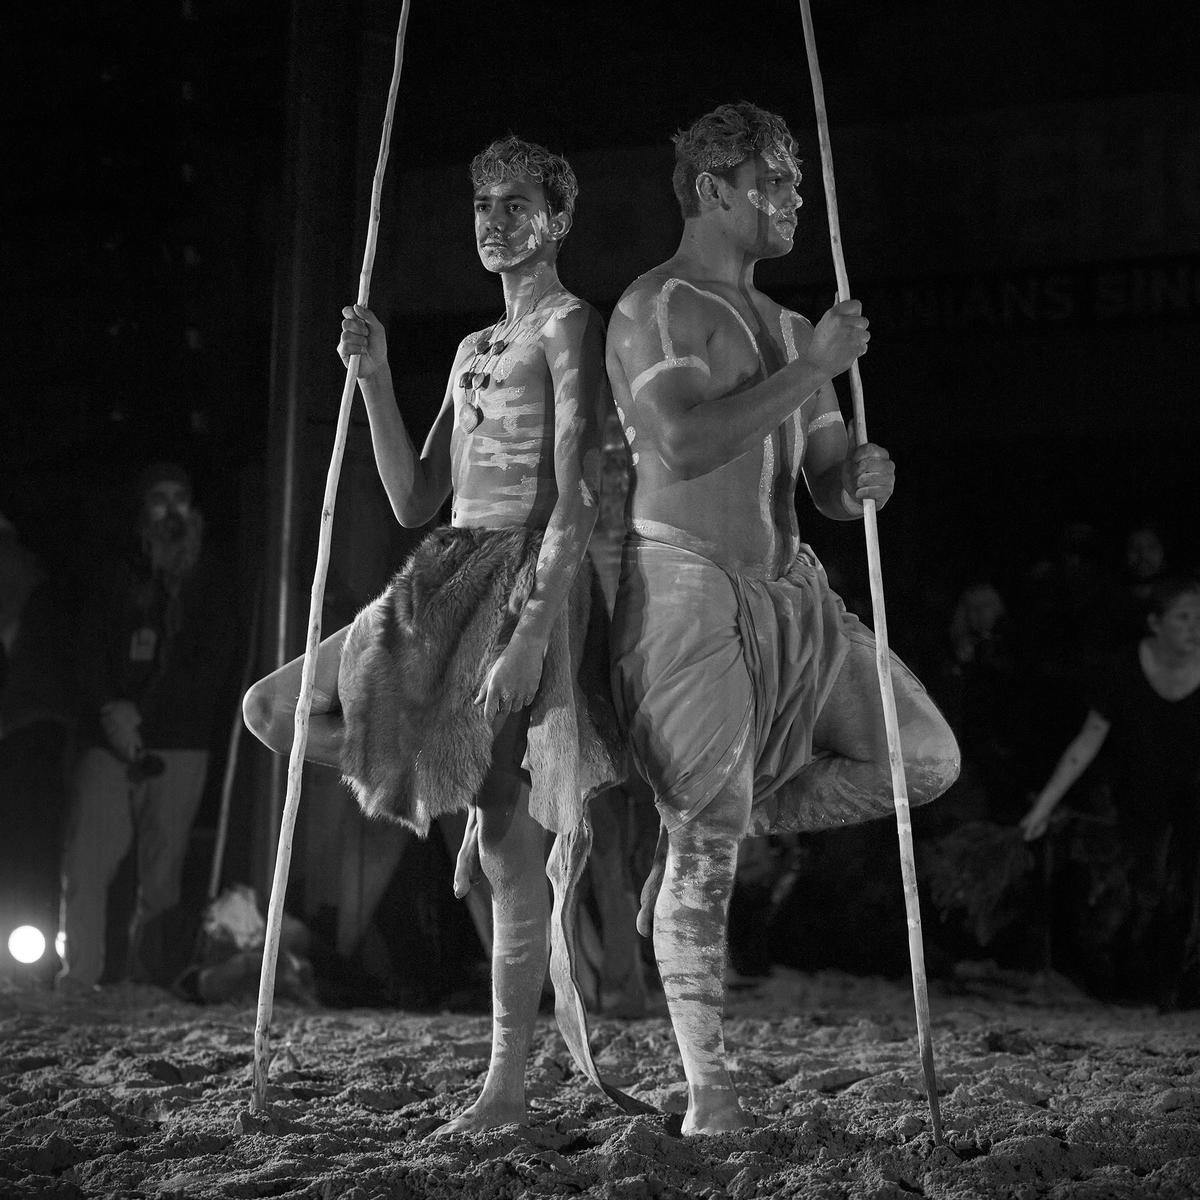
{"points": [[797, 329], [651, 294], [569, 312], [571, 323], [470, 343]]}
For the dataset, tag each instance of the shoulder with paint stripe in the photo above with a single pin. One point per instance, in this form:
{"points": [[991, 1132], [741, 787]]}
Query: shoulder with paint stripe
{"points": [[638, 298], [798, 319], [660, 297], [796, 331]]}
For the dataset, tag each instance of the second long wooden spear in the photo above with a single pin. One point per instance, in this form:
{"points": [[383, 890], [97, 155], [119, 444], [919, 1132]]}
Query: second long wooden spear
{"points": [[883, 662], [266, 988]]}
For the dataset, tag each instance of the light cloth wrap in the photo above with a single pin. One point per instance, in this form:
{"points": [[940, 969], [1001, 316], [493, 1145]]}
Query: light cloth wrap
{"points": [[705, 658]]}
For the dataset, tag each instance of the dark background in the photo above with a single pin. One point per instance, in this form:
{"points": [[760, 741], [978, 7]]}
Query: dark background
{"points": [[186, 194], [161, 157]]}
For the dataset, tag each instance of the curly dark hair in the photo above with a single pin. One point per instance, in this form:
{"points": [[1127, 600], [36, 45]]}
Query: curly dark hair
{"points": [[510, 157], [718, 141]]}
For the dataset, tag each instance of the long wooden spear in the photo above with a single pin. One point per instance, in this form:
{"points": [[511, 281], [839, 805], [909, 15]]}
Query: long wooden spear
{"points": [[883, 663], [266, 989]]}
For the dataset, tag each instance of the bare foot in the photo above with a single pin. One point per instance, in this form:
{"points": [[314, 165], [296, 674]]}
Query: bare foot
{"points": [[479, 1117], [723, 1115]]}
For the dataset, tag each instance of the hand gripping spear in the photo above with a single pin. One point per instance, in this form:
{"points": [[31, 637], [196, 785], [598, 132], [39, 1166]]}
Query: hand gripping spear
{"points": [[912, 904], [266, 987]]}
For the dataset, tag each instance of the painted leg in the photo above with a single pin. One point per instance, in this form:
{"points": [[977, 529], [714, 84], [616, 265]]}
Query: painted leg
{"points": [[850, 780], [690, 943], [269, 707], [512, 852]]}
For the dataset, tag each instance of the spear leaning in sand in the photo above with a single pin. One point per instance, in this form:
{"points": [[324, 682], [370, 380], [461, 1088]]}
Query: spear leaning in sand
{"points": [[266, 990], [912, 904]]}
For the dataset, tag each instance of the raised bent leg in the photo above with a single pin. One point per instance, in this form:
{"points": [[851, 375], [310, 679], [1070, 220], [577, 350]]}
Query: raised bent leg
{"points": [[850, 779], [689, 942], [512, 852], [269, 707]]}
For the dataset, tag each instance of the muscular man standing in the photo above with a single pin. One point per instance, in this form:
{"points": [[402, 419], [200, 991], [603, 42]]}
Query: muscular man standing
{"points": [[433, 698], [749, 693]]}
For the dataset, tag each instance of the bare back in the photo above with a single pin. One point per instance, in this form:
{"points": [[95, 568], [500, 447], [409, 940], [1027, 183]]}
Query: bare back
{"points": [[722, 341]]}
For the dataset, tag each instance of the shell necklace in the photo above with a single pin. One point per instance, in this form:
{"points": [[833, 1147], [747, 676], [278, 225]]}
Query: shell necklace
{"points": [[479, 374]]}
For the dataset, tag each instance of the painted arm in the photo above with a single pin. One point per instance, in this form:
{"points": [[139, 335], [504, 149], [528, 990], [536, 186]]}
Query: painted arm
{"points": [[661, 341], [574, 354], [416, 486], [840, 475], [1076, 759]]}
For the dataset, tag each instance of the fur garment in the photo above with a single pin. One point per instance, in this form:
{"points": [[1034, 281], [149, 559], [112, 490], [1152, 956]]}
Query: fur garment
{"points": [[416, 744]]}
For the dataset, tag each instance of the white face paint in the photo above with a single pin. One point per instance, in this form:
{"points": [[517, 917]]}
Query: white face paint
{"points": [[761, 202], [777, 158], [502, 251], [780, 176], [511, 223]]}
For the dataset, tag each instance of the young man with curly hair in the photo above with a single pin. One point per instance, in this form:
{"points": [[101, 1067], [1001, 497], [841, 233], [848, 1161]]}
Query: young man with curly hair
{"points": [[749, 693], [466, 684]]}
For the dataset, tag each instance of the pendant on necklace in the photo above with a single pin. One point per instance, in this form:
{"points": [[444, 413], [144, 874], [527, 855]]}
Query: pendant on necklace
{"points": [[470, 417], [487, 352]]}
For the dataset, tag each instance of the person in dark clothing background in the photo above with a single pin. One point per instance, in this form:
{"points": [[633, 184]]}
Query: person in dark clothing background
{"points": [[1148, 700], [154, 653], [1144, 561]]}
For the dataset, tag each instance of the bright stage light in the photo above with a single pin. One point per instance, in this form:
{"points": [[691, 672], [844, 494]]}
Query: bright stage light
{"points": [[26, 944]]}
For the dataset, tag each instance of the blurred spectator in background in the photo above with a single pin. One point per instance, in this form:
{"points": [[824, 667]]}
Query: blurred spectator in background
{"points": [[1143, 563], [155, 649], [978, 629], [978, 685], [1067, 619], [1148, 700]]}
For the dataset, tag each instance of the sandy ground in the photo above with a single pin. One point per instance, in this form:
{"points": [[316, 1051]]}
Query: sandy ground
{"points": [[1043, 1093]]}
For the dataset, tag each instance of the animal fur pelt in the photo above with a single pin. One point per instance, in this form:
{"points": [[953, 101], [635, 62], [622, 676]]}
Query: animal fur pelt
{"points": [[416, 745]]}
